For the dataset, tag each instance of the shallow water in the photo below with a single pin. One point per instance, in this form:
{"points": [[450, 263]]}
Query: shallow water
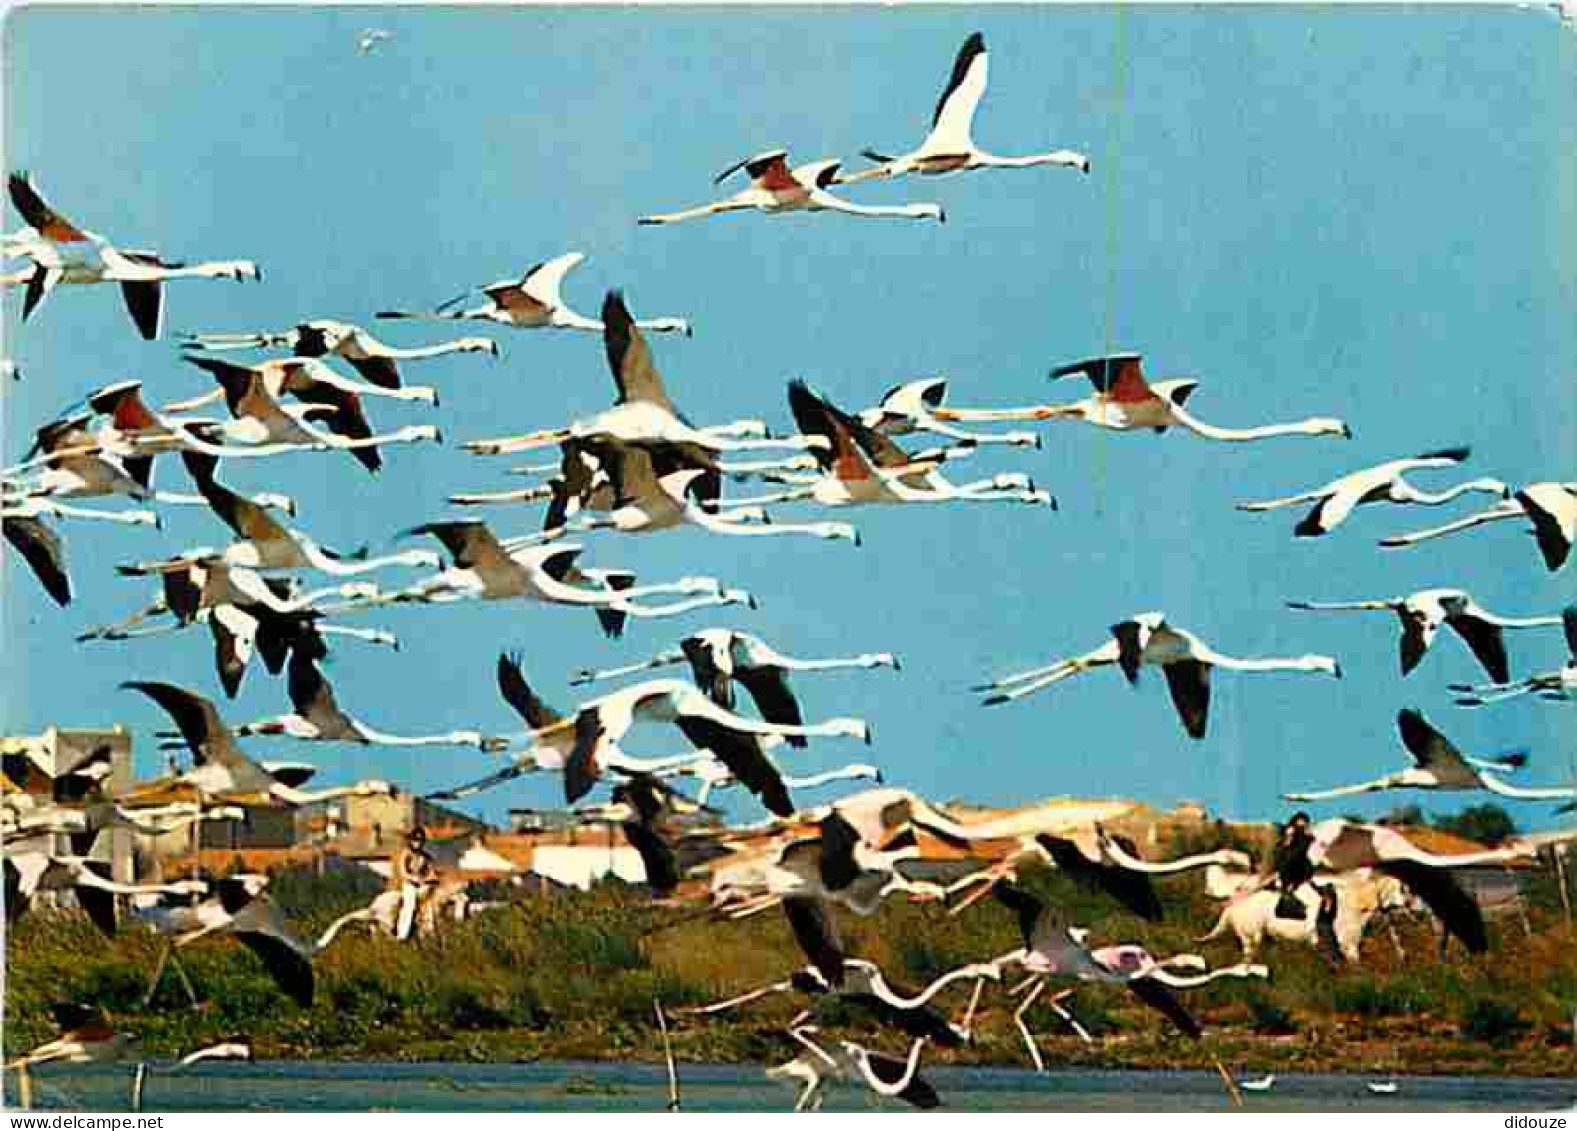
{"points": [[569, 1086]]}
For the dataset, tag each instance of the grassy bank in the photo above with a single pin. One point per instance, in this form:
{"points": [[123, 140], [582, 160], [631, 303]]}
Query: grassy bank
{"points": [[573, 976]]}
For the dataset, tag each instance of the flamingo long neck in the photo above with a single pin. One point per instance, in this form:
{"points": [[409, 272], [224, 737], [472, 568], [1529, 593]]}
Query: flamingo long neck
{"points": [[1437, 498], [1311, 427], [363, 915], [344, 568], [1497, 513], [1466, 859], [844, 773], [1190, 981], [1386, 782], [696, 213], [566, 319], [439, 349], [897, 212], [1161, 868], [308, 797], [1265, 664], [674, 608], [1495, 785], [1055, 157], [453, 738]]}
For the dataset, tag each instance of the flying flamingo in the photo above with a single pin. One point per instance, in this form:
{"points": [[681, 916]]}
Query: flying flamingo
{"points": [[1147, 639], [949, 148], [1090, 856], [260, 421], [221, 767], [1550, 507], [643, 410], [324, 337], [533, 301], [1423, 612], [317, 717], [1438, 764], [263, 543], [1053, 948], [64, 253], [837, 864], [643, 499], [239, 907], [76, 466], [28, 872], [1340, 845], [602, 723], [43, 551], [1382, 483], [1557, 686], [861, 466], [775, 188], [486, 569], [720, 656], [917, 406], [1125, 400]]}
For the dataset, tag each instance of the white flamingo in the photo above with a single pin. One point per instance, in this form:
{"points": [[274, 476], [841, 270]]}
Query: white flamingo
{"points": [[861, 466], [1423, 612], [534, 301], [949, 147], [643, 412], [1438, 764], [917, 406], [1147, 639], [1125, 400], [1382, 483], [376, 361], [1551, 508], [1557, 686], [221, 767], [775, 188], [63, 253]]}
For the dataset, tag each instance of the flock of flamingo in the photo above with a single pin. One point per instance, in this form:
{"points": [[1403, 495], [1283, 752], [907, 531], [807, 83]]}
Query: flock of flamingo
{"points": [[276, 592]]}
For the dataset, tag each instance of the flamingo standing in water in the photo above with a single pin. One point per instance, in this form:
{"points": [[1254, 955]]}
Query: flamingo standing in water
{"points": [[884, 1075], [1147, 639], [63, 253], [949, 147], [534, 301], [775, 188]]}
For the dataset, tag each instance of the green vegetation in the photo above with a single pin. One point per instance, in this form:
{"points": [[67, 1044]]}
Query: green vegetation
{"points": [[573, 976]]}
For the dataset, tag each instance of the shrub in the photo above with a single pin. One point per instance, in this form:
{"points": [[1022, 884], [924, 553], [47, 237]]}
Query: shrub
{"points": [[1269, 1017], [1494, 1021]]}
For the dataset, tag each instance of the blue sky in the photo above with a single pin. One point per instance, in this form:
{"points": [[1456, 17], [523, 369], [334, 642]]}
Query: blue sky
{"points": [[1352, 211]]}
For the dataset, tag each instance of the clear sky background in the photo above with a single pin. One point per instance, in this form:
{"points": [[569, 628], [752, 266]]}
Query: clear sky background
{"points": [[1367, 212]]}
